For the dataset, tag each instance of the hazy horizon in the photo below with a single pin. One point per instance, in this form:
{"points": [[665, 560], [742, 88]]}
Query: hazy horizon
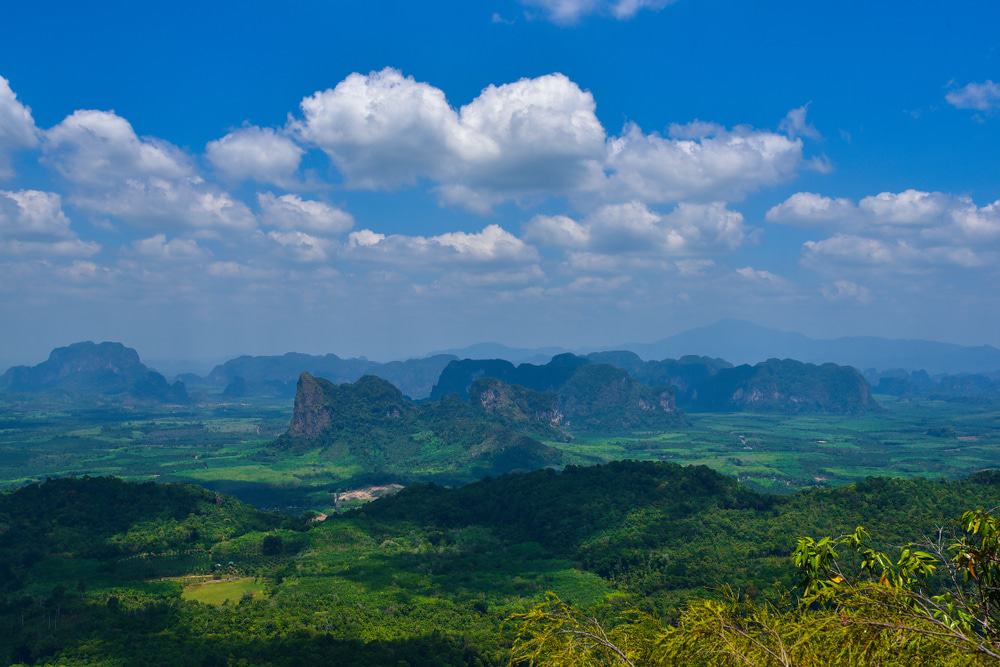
{"points": [[292, 184]]}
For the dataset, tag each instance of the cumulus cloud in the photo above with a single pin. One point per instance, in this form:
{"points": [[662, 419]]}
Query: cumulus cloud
{"points": [[293, 212], [700, 161], [634, 228], [535, 138], [900, 254], [255, 153], [931, 216], [17, 127], [557, 230], [491, 245], [983, 96], [897, 230], [760, 276], [32, 222], [300, 246], [62, 248], [570, 11], [158, 247], [810, 208], [139, 180], [531, 137], [32, 213]]}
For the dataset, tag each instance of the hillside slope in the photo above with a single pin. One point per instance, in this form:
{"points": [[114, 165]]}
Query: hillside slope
{"points": [[372, 424], [93, 369]]}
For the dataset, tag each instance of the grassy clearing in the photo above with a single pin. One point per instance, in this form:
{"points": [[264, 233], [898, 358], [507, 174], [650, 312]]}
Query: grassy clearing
{"points": [[218, 592]]}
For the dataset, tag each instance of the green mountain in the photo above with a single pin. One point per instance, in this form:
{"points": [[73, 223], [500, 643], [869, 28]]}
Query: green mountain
{"points": [[569, 392], [94, 370], [685, 375], [371, 424], [618, 390], [458, 376], [277, 375], [785, 385], [966, 386]]}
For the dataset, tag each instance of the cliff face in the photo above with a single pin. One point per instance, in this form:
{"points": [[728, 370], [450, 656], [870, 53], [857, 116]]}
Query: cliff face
{"points": [[596, 397], [516, 403], [310, 418], [371, 423], [604, 398]]}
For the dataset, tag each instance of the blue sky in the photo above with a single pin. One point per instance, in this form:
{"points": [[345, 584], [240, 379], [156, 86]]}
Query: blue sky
{"points": [[391, 178]]}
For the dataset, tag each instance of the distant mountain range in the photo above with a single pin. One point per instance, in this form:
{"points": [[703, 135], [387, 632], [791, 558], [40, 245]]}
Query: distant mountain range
{"points": [[517, 355], [94, 370], [613, 391], [744, 342], [277, 375]]}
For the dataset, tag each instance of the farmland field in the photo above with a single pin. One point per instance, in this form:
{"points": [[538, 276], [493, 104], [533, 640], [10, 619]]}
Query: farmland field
{"points": [[224, 446]]}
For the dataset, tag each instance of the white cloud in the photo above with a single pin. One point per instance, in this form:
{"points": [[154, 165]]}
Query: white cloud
{"points": [[923, 217], [910, 207], [795, 124], [810, 208], [31, 213], [382, 129], [158, 247], [255, 153], [300, 246], [760, 276], [698, 161], [62, 248], [365, 238], [86, 272], [533, 137], [845, 290], [633, 228], [492, 245], [293, 212], [850, 249], [140, 180], [17, 127], [983, 96], [557, 230], [32, 222], [570, 11]]}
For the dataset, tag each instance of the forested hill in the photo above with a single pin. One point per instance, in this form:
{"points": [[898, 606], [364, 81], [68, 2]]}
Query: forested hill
{"points": [[596, 398], [695, 383], [93, 370], [786, 385], [101, 571], [372, 425]]}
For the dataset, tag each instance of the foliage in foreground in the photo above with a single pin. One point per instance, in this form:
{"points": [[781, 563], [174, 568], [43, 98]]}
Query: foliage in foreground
{"points": [[936, 603]]}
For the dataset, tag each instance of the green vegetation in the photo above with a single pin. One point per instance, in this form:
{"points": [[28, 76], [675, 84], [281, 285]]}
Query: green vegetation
{"points": [[372, 424], [226, 447], [780, 453], [221, 591], [107, 572], [859, 605]]}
